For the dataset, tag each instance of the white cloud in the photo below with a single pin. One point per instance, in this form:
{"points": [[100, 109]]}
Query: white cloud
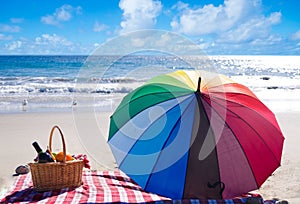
{"points": [[50, 20], [52, 40], [138, 42], [213, 19], [269, 40], [63, 13], [233, 21], [9, 28], [99, 27], [44, 44], [55, 44], [164, 40], [96, 44], [13, 45], [296, 35], [5, 37], [139, 14], [16, 20], [250, 30], [180, 6]]}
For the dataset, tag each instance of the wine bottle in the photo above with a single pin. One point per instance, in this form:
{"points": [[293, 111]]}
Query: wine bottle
{"points": [[43, 157], [49, 152]]}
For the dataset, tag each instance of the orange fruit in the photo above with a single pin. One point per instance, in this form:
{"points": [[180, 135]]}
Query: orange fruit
{"points": [[69, 157], [60, 157]]}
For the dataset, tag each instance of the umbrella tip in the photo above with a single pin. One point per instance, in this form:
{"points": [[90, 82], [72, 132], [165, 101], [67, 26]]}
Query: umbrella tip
{"points": [[199, 83]]}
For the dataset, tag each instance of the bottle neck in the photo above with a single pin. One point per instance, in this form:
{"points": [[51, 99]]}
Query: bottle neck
{"points": [[37, 147]]}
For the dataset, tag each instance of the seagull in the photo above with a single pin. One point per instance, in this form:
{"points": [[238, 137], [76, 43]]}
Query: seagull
{"points": [[74, 102], [25, 102]]}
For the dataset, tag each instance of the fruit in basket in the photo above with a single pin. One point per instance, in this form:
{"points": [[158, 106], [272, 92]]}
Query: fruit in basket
{"points": [[60, 157]]}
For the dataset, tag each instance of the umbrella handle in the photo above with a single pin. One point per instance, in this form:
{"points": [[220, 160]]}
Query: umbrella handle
{"points": [[222, 186]]}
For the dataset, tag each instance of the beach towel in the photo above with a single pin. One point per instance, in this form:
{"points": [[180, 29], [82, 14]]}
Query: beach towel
{"points": [[97, 187]]}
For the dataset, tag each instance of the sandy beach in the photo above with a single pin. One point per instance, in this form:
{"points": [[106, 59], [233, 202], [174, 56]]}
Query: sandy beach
{"points": [[19, 130]]}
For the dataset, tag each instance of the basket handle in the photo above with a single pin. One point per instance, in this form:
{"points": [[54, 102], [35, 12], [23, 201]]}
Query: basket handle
{"points": [[62, 138]]}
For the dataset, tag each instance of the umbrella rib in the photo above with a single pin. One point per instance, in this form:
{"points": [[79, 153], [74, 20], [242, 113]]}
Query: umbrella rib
{"points": [[223, 89], [126, 104], [234, 135], [248, 123], [250, 127], [199, 100], [161, 93], [165, 143], [187, 91], [147, 128], [246, 106]]}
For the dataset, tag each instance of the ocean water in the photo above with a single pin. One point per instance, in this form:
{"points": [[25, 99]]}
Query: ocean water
{"points": [[60, 83]]}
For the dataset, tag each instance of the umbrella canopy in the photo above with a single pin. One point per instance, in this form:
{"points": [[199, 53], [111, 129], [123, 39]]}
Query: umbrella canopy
{"points": [[192, 134]]}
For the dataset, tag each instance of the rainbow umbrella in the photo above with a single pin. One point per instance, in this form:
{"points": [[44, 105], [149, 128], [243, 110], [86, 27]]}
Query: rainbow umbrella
{"points": [[194, 134]]}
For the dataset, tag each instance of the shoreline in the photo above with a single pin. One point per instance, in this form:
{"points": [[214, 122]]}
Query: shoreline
{"points": [[81, 129]]}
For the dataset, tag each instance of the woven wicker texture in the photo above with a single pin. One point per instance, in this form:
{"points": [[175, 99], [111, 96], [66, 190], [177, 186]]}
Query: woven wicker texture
{"points": [[56, 175]]}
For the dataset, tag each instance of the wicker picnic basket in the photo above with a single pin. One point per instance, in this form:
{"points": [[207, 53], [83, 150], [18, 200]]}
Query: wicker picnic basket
{"points": [[56, 175]]}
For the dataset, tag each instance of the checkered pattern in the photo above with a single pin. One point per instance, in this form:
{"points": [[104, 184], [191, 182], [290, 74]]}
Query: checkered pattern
{"points": [[98, 187]]}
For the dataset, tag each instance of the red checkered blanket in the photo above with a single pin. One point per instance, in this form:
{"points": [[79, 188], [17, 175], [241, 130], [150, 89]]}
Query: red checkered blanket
{"points": [[98, 187]]}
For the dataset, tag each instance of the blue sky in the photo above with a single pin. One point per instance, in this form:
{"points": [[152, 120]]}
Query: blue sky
{"points": [[229, 27]]}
